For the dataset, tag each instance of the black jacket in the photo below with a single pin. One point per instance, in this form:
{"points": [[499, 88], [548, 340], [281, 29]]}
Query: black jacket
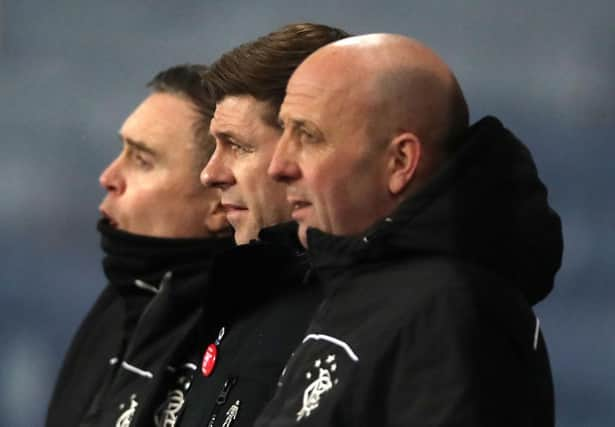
{"points": [[259, 297], [127, 339], [427, 319], [156, 340]]}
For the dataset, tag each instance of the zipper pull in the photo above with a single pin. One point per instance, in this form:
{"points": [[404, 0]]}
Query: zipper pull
{"points": [[231, 414], [226, 388], [221, 399]]}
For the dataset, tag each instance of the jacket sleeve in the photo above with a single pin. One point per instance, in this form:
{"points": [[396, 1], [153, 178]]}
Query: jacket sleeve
{"points": [[86, 361]]}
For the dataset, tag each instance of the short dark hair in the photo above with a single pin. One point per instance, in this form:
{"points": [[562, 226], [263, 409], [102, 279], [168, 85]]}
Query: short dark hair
{"points": [[186, 80], [262, 68]]}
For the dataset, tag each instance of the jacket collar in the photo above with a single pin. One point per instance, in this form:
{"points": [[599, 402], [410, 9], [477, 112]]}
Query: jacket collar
{"points": [[486, 205], [130, 259]]}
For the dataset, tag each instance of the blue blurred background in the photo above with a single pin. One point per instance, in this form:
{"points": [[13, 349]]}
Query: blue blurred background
{"points": [[71, 71]]}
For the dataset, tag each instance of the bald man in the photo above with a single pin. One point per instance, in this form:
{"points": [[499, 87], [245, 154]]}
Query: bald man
{"points": [[432, 238]]}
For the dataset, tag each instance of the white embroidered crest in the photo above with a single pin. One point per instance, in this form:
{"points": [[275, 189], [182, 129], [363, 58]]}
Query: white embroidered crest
{"points": [[168, 414], [319, 386], [125, 417]]}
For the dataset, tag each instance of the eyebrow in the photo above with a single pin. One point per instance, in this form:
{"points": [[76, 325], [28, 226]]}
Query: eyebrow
{"points": [[141, 146], [293, 121], [227, 135], [298, 123]]}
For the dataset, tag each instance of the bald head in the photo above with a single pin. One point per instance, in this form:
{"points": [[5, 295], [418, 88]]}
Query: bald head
{"points": [[404, 82], [366, 122]]}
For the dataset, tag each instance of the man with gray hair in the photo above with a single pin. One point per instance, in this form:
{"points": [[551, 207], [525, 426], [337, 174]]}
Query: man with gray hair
{"points": [[433, 240]]}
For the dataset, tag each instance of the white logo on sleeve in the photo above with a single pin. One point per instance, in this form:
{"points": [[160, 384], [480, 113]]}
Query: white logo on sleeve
{"points": [[324, 382]]}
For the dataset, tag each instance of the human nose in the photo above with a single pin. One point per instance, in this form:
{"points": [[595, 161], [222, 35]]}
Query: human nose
{"points": [[283, 166], [216, 174], [112, 179]]}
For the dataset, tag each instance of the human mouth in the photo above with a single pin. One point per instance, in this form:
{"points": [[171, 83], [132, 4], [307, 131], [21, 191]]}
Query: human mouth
{"points": [[218, 209], [233, 212], [299, 208], [112, 222]]}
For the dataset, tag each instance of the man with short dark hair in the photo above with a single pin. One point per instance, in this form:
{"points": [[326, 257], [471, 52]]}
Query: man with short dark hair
{"points": [[432, 239], [248, 85], [159, 232], [150, 186], [258, 307]]}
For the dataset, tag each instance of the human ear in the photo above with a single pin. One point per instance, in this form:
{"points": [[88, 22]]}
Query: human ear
{"points": [[404, 155]]}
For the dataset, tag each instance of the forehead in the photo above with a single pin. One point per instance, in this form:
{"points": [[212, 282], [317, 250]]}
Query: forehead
{"points": [[159, 118], [239, 114], [321, 93]]}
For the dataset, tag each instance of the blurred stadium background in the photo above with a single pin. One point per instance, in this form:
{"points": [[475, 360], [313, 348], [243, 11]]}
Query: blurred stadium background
{"points": [[71, 71]]}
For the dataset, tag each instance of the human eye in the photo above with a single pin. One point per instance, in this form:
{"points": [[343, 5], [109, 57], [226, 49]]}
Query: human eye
{"points": [[239, 148], [306, 135], [141, 160]]}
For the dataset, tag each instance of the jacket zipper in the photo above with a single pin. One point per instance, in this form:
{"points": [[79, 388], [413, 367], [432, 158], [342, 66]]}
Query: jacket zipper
{"points": [[221, 399]]}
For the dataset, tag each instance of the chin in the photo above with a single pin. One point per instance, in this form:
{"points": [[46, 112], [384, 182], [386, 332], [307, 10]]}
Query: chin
{"points": [[218, 227], [245, 234], [240, 238], [302, 235]]}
